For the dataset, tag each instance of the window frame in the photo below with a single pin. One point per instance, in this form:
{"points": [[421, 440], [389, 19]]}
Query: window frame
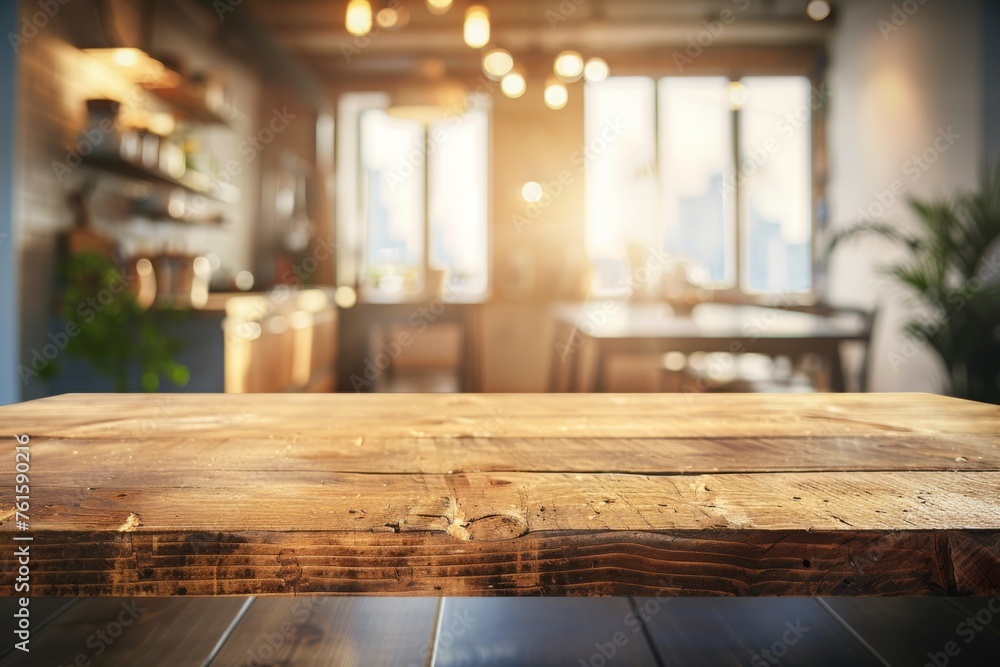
{"points": [[351, 206], [808, 62]]}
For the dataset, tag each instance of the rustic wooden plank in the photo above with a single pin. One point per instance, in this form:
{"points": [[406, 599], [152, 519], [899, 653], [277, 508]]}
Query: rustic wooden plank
{"points": [[214, 417], [891, 451], [544, 631], [332, 631], [496, 506], [697, 632], [251, 494], [918, 631], [614, 563], [127, 632]]}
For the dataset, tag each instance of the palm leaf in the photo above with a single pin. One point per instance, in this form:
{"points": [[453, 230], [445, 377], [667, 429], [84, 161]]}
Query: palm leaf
{"points": [[882, 229], [944, 274]]}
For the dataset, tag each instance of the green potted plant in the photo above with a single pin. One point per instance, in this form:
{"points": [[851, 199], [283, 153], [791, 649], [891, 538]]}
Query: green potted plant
{"points": [[952, 276], [113, 332], [105, 324]]}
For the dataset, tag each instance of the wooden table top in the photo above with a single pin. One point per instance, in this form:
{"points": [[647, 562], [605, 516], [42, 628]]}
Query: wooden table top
{"points": [[873, 494], [639, 321]]}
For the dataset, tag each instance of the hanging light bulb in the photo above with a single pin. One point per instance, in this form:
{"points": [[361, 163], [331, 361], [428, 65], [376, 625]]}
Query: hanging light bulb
{"points": [[556, 94], [477, 26], [532, 192], [737, 94], [596, 70], [496, 63], [568, 66], [438, 7], [387, 18], [359, 17], [513, 84], [818, 9]]}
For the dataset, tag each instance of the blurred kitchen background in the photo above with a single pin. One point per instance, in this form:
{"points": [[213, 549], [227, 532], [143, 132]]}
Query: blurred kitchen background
{"points": [[516, 196]]}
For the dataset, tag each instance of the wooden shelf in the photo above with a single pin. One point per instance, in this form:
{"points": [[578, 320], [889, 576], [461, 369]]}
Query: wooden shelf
{"points": [[191, 106], [191, 181], [166, 217]]}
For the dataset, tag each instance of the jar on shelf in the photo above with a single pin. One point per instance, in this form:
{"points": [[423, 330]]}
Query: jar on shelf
{"points": [[102, 136]]}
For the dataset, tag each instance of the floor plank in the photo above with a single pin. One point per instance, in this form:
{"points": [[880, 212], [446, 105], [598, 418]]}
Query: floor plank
{"points": [[975, 606], [113, 632], [711, 632], [496, 632], [332, 631], [919, 631], [41, 611], [503, 632]]}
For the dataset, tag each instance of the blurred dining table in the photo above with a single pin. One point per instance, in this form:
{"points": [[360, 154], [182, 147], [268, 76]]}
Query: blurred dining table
{"points": [[604, 329]]}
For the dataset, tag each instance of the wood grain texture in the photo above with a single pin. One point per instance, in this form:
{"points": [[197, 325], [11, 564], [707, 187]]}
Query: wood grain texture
{"points": [[485, 495]]}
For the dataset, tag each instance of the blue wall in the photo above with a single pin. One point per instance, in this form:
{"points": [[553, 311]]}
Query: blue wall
{"points": [[9, 265]]}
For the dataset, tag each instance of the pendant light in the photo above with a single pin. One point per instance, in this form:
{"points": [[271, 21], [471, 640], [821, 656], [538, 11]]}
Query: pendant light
{"points": [[477, 26], [359, 17]]}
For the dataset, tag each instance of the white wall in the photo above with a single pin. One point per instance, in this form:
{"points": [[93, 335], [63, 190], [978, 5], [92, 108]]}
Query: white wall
{"points": [[893, 90]]}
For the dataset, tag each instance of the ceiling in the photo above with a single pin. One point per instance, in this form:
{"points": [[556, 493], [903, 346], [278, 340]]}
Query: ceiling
{"points": [[313, 31]]}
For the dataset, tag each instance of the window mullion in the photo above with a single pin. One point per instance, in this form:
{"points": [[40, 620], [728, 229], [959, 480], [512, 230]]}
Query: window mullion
{"points": [[737, 208], [425, 259]]}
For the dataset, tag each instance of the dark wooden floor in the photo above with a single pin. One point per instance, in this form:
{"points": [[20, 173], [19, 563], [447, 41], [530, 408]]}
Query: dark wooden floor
{"points": [[282, 631]]}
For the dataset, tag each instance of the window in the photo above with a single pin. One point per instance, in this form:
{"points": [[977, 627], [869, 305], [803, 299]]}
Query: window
{"points": [[413, 198], [713, 172], [393, 200]]}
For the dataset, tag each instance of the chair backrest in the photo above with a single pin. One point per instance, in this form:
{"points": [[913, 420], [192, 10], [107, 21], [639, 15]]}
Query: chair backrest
{"points": [[867, 318]]}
